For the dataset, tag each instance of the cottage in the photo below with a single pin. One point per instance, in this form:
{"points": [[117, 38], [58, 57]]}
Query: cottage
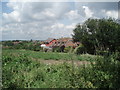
{"points": [[47, 45], [61, 42], [51, 43], [67, 42]]}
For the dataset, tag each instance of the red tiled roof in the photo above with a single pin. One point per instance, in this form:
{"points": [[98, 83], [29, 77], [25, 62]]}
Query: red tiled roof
{"points": [[51, 43], [62, 41], [49, 40]]}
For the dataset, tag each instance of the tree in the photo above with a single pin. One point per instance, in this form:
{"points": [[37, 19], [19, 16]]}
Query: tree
{"points": [[98, 34], [8, 43]]}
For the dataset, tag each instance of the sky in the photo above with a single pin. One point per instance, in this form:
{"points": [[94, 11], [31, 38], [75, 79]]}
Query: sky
{"points": [[42, 20]]}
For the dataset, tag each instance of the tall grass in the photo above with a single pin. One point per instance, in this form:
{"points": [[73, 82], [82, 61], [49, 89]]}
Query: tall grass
{"points": [[22, 72], [51, 55]]}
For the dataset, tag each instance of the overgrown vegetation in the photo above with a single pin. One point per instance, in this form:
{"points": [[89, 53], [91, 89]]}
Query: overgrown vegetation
{"points": [[50, 55], [23, 72], [18, 44]]}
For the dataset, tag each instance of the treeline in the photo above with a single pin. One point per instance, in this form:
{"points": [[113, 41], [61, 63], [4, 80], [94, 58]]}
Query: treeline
{"points": [[28, 45], [31, 45], [98, 36]]}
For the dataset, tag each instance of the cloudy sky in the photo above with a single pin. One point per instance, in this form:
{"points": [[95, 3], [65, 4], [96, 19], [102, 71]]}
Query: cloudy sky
{"points": [[42, 20]]}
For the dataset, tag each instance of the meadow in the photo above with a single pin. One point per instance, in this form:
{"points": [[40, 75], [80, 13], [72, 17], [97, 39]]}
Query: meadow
{"points": [[50, 55], [20, 70]]}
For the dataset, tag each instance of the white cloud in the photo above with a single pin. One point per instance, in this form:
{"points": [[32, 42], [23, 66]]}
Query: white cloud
{"points": [[72, 26], [31, 20], [73, 15], [60, 30], [57, 25], [88, 12], [25, 12], [33, 11], [13, 16], [46, 14], [113, 14]]}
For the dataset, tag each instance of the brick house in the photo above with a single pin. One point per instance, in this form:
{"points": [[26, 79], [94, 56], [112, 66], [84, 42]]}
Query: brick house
{"points": [[49, 42], [67, 42]]}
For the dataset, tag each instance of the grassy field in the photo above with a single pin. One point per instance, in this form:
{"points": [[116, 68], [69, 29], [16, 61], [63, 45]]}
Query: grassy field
{"points": [[51, 55], [21, 71]]}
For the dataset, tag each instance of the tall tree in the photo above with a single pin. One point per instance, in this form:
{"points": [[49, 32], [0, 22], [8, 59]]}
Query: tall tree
{"points": [[98, 34]]}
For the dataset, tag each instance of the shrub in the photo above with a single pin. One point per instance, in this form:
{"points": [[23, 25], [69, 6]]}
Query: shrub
{"points": [[80, 49], [56, 49], [19, 71], [103, 53], [68, 49], [106, 72]]}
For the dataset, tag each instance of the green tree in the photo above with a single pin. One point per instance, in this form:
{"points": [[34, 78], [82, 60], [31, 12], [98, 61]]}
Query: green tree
{"points": [[8, 43], [98, 34]]}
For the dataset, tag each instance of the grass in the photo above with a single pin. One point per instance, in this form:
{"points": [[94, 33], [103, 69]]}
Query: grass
{"points": [[20, 71], [51, 55]]}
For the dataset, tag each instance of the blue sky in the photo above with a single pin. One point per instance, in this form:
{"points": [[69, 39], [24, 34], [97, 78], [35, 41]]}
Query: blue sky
{"points": [[38, 20], [6, 9]]}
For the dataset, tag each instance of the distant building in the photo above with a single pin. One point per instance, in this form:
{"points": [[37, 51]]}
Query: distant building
{"points": [[51, 43], [67, 42], [16, 42], [48, 43]]}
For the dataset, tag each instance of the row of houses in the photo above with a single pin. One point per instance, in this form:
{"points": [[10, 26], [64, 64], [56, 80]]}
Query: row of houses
{"points": [[67, 42]]}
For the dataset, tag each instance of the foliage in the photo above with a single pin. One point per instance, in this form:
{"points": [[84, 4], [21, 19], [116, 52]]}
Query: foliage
{"points": [[102, 53], [22, 72], [56, 49], [51, 55], [28, 45], [80, 49], [68, 49], [88, 57], [106, 72], [98, 34], [8, 43]]}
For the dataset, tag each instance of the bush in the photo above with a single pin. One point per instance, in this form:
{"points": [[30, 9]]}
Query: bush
{"points": [[106, 72], [80, 49], [68, 49], [103, 53], [19, 71], [56, 49]]}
